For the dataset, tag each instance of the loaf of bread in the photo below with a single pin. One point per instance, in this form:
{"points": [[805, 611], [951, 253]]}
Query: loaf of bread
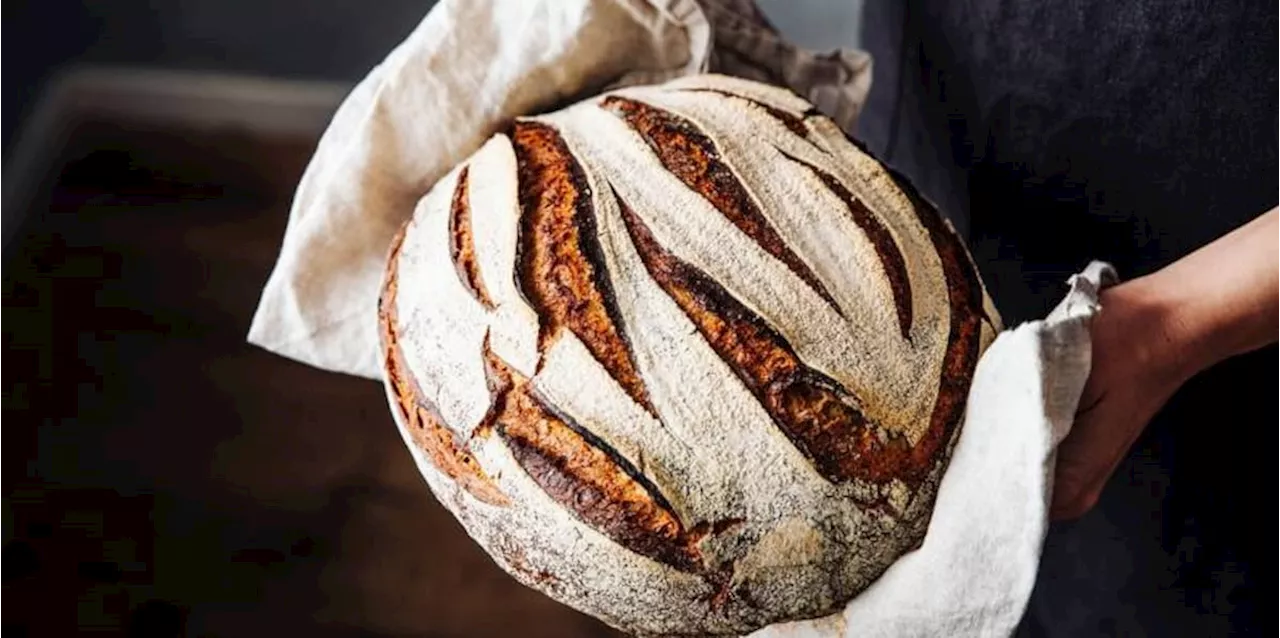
{"points": [[683, 357]]}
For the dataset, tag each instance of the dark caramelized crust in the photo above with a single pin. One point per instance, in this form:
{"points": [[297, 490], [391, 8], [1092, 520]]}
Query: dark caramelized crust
{"points": [[462, 246], [585, 475], [561, 269], [895, 458], [421, 417], [811, 409], [815, 412], [692, 156], [964, 292], [895, 267]]}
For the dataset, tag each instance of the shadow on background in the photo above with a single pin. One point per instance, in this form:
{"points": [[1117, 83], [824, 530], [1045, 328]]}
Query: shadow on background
{"points": [[162, 477]]}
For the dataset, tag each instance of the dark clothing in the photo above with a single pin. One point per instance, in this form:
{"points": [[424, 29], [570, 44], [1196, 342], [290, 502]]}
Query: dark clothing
{"points": [[1131, 131]]}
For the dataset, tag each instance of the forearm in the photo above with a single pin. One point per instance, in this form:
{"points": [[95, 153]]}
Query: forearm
{"points": [[1217, 302]]}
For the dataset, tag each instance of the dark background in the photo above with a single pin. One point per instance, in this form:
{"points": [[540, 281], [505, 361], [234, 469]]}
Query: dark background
{"points": [[309, 39], [164, 478]]}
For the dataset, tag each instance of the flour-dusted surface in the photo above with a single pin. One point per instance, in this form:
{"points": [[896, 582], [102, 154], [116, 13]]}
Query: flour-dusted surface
{"points": [[365, 179], [464, 72], [711, 356], [974, 574]]}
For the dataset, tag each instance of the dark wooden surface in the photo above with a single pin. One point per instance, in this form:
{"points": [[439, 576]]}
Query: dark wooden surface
{"points": [[162, 477]]}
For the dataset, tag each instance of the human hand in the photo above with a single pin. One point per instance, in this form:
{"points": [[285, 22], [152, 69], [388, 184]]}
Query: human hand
{"points": [[1153, 334], [1136, 369]]}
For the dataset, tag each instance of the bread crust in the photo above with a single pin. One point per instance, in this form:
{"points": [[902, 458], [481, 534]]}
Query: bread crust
{"points": [[651, 390]]}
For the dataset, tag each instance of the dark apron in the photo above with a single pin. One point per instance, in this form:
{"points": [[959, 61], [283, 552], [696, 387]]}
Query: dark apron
{"points": [[1053, 133]]}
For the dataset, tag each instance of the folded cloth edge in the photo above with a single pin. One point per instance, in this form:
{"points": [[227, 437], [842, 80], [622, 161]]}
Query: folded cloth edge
{"points": [[1057, 350], [717, 38]]}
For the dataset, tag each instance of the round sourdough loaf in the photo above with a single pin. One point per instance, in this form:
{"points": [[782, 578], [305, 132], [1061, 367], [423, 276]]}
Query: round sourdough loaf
{"points": [[683, 357]]}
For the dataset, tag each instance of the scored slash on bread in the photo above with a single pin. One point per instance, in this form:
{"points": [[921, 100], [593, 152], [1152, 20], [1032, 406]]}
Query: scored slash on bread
{"points": [[683, 356]]}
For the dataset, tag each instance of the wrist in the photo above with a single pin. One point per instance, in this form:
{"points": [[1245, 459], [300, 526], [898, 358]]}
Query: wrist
{"points": [[1220, 301], [1191, 324], [1157, 326]]}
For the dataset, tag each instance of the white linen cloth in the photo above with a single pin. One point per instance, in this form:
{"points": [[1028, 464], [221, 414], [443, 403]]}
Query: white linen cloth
{"points": [[473, 65]]}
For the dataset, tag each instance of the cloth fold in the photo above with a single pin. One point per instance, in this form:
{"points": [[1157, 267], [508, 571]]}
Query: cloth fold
{"points": [[465, 71], [473, 65], [975, 571]]}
